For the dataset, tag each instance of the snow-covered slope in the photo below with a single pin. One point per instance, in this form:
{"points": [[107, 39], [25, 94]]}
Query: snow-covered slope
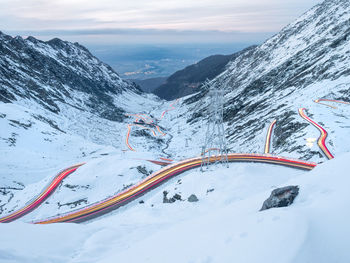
{"points": [[59, 72], [59, 105], [224, 226], [54, 123], [307, 60]]}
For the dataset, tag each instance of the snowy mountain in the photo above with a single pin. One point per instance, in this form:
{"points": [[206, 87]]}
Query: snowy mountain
{"points": [[190, 79], [55, 122], [57, 71], [307, 60], [59, 105], [149, 85]]}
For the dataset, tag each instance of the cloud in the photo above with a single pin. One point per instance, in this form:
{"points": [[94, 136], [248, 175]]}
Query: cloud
{"points": [[120, 17], [111, 36]]}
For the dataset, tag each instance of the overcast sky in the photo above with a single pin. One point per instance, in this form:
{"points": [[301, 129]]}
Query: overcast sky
{"points": [[109, 21]]}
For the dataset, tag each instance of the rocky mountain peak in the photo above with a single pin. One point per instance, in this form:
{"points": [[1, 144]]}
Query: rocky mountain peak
{"points": [[55, 72]]}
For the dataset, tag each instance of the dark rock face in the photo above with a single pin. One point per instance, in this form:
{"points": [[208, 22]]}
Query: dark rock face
{"points": [[73, 204], [74, 188], [210, 190], [143, 170], [172, 199], [58, 72], [6, 194], [189, 80], [281, 197], [149, 85], [192, 198]]}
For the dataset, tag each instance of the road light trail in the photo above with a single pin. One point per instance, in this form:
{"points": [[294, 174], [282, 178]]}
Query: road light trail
{"points": [[158, 129], [171, 107], [268, 137], [333, 107], [210, 149], [128, 134], [322, 139], [159, 177], [127, 139], [37, 201], [161, 163], [147, 120], [166, 159]]}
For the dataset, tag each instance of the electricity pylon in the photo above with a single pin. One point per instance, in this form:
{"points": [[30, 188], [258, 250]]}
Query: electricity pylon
{"points": [[214, 149]]}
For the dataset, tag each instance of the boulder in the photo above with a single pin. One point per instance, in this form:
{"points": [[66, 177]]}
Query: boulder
{"points": [[192, 198], [281, 197], [172, 199]]}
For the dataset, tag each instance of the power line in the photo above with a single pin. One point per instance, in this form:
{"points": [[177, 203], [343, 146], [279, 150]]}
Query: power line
{"points": [[214, 149]]}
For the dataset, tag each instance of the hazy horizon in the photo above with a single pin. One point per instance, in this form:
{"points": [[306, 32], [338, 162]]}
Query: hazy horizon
{"points": [[152, 22], [143, 61], [126, 34]]}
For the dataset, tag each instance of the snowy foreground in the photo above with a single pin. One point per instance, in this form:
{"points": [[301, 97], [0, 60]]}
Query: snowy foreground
{"points": [[225, 225]]}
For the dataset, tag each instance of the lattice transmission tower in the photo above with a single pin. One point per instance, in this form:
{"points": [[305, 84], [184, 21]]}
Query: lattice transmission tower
{"points": [[214, 149]]}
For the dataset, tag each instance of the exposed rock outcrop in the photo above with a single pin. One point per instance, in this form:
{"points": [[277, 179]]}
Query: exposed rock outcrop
{"points": [[281, 197]]}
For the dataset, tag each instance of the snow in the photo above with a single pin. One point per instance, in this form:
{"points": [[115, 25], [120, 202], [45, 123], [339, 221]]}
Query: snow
{"points": [[225, 224], [237, 230]]}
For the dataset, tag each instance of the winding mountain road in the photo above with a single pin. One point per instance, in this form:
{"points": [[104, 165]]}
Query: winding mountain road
{"points": [[107, 205], [136, 123], [46, 192], [322, 139], [148, 120], [268, 137], [329, 100], [171, 170], [171, 107]]}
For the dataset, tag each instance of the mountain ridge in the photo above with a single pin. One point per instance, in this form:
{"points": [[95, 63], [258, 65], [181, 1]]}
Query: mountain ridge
{"points": [[273, 79], [190, 79], [52, 71]]}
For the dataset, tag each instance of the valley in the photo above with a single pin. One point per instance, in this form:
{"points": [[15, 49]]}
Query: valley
{"points": [[93, 169]]}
